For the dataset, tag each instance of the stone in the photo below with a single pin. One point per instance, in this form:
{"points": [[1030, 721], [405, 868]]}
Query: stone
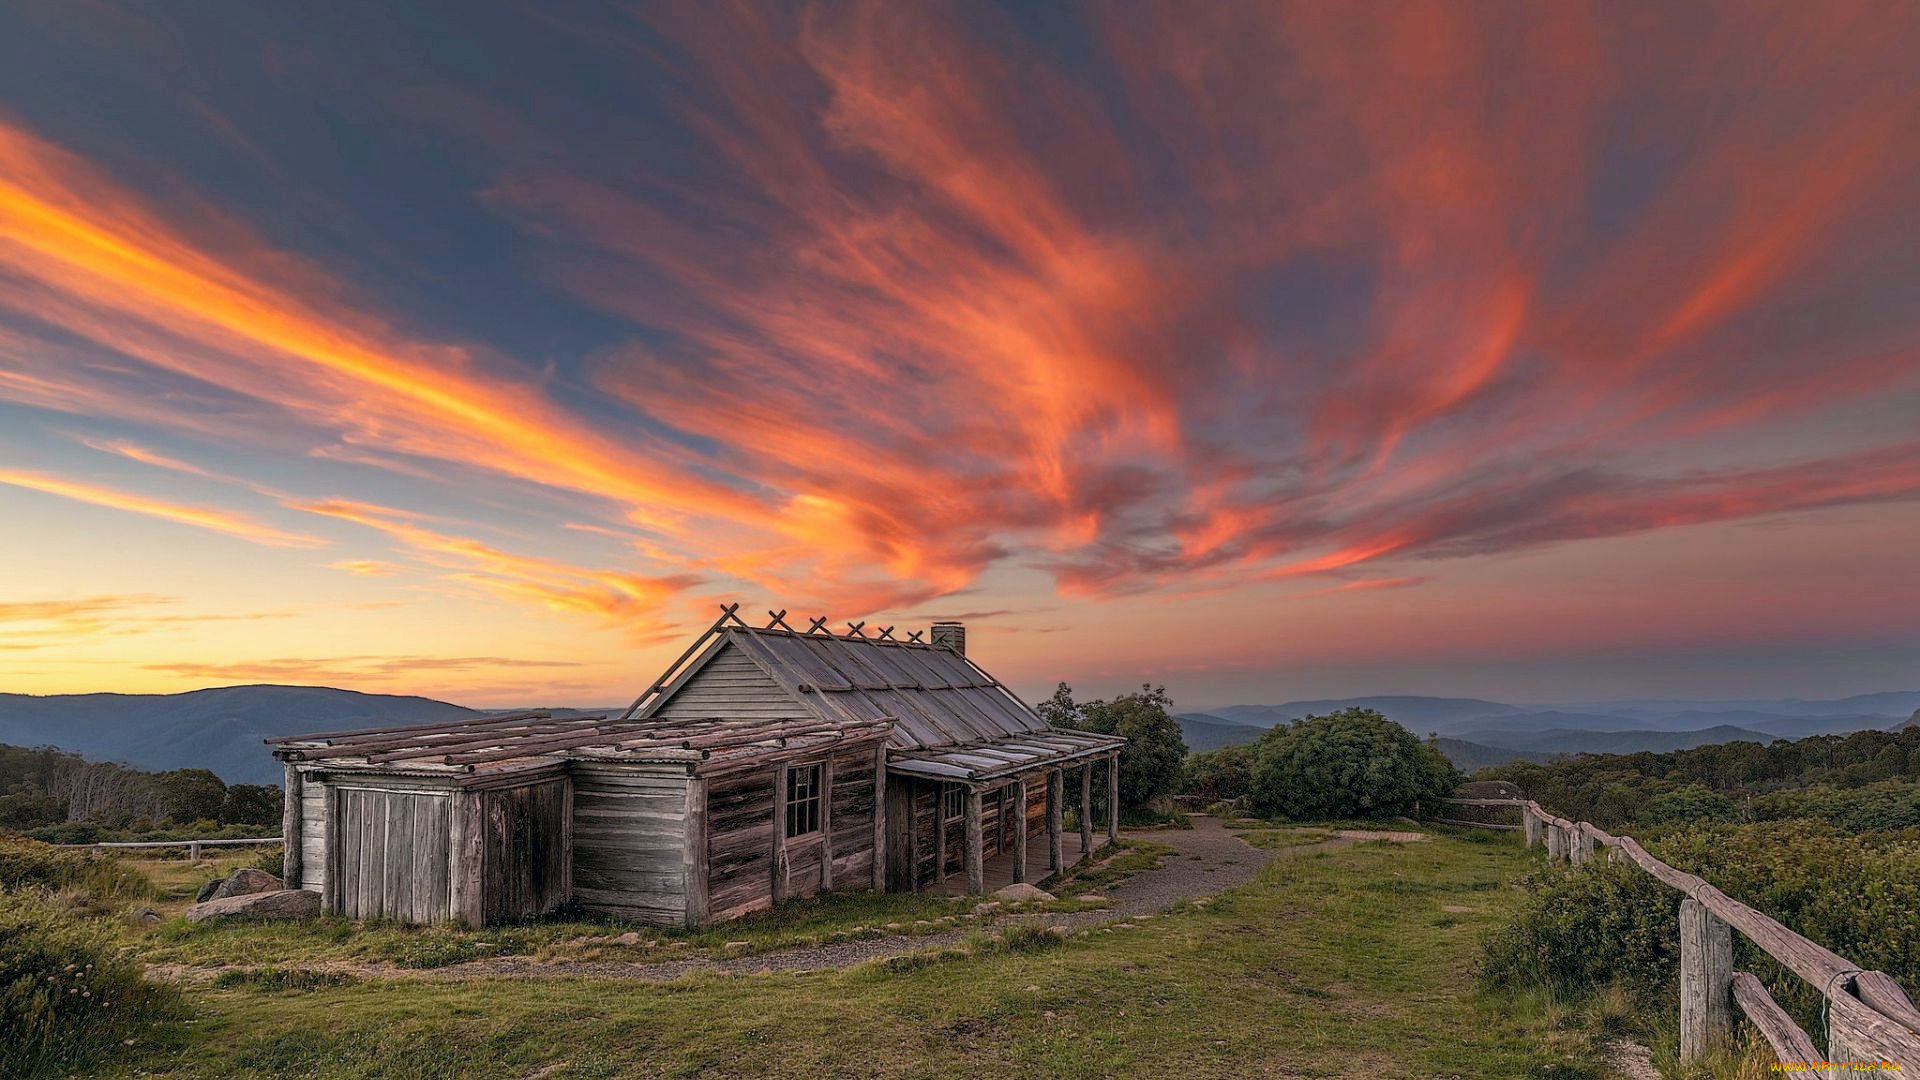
{"points": [[736, 946], [245, 882], [206, 891], [279, 904], [628, 938], [1091, 898], [143, 916], [1020, 890], [986, 907]]}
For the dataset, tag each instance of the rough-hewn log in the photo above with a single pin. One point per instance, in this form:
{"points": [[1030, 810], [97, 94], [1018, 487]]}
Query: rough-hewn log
{"points": [[880, 819], [1859, 1033], [466, 858], [1791, 1046], [1113, 799], [976, 856], [290, 829], [1556, 843], [826, 824], [1086, 809], [1583, 847], [1056, 795], [1530, 821], [940, 834], [779, 833], [1706, 980], [694, 858], [1020, 832]]}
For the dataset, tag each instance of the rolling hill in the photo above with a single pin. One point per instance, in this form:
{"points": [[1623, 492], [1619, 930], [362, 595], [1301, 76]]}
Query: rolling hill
{"points": [[219, 729]]}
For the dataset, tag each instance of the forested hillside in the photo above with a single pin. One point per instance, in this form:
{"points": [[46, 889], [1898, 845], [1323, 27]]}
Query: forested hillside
{"points": [[1864, 781], [64, 798]]}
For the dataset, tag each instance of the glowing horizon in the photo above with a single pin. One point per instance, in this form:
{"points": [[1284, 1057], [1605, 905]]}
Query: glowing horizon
{"points": [[1271, 353]]}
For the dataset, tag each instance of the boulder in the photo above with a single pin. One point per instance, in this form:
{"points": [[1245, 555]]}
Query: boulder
{"points": [[1020, 890], [279, 904], [206, 891], [244, 882]]}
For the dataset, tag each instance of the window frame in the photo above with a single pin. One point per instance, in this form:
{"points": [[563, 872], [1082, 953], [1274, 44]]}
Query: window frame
{"points": [[806, 809], [954, 795]]}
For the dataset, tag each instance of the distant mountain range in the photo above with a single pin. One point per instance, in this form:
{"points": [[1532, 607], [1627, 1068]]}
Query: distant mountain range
{"points": [[222, 729], [1477, 733]]}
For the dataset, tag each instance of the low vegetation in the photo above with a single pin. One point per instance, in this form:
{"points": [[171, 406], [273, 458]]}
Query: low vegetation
{"points": [[1347, 962], [69, 996]]}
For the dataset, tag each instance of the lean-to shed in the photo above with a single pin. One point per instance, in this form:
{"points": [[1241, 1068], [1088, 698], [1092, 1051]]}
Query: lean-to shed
{"points": [[766, 763]]}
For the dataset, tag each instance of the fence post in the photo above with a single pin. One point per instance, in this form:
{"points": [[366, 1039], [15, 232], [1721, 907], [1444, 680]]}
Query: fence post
{"points": [[1706, 980], [1582, 846], [193, 851], [1556, 843], [1531, 824]]}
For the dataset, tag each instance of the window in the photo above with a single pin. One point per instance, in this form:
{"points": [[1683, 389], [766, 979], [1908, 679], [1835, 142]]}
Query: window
{"points": [[953, 802], [803, 800]]}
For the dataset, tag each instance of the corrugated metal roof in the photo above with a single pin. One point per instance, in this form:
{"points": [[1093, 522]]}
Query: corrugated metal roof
{"points": [[934, 696], [1004, 757]]}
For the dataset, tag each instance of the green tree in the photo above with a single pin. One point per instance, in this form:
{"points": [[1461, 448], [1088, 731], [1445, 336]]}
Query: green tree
{"points": [[1060, 710], [251, 804], [1150, 762], [189, 795], [1354, 763], [1216, 775]]}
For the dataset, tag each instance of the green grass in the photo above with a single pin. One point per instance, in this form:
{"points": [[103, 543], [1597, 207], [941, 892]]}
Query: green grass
{"points": [[1291, 836], [1342, 963]]}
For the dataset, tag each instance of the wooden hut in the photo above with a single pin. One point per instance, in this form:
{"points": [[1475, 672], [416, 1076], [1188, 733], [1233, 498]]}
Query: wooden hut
{"points": [[766, 763]]}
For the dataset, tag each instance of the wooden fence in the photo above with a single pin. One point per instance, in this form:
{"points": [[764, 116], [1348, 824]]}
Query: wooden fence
{"points": [[193, 846], [1869, 1017]]}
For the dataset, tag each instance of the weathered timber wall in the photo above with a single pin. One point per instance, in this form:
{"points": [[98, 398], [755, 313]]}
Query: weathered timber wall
{"points": [[389, 856], [524, 856], [731, 686], [629, 838], [313, 835], [740, 820], [853, 821]]}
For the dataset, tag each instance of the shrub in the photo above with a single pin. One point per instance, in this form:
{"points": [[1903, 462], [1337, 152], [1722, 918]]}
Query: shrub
{"points": [[67, 998], [1355, 763], [1580, 930]]}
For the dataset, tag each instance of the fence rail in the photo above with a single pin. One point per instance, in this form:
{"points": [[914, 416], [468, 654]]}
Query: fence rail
{"points": [[193, 846], [1869, 1017]]}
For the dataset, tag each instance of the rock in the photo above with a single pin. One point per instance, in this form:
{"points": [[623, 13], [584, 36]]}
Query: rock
{"points": [[279, 904], [628, 938], [1020, 890], [736, 946], [143, 916], [245, 882], [987, 907], [1091, 898], [206, 891]]}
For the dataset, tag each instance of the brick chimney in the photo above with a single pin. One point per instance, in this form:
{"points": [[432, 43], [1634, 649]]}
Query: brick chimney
{"points": [[950, 635]]}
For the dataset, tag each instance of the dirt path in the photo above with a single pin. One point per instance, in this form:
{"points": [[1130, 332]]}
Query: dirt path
{"points": [[1207, 860]]}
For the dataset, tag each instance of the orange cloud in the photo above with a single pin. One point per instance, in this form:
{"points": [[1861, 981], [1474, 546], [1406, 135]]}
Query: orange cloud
{"points": [[221, 521], [609, 594]]}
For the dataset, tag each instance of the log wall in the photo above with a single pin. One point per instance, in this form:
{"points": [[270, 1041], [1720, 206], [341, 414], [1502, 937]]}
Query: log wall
{"points": [[629, 838], [313, 834], [740, 820]]}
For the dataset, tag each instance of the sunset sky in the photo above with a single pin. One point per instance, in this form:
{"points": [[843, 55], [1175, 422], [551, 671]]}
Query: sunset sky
{"points": [[1269, 351]]}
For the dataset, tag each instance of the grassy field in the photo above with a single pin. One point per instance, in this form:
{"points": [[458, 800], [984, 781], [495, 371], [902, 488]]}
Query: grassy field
{"points": [[1355, 962]]}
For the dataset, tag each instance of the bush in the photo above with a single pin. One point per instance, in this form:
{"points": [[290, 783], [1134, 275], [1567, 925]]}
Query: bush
{"points": [[1580, 930], [1355, 763], [67, 998]]}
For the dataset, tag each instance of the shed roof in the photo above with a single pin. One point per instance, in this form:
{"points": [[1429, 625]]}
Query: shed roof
{"points": [[494, 745], [951, 718]]}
